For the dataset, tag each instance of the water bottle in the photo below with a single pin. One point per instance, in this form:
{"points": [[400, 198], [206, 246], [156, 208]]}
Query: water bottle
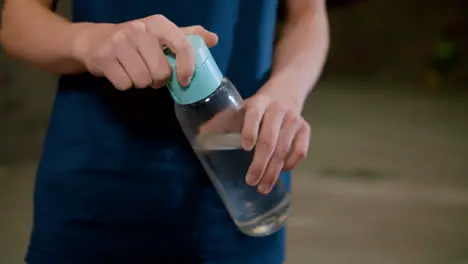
{"points": [[210, 112]]}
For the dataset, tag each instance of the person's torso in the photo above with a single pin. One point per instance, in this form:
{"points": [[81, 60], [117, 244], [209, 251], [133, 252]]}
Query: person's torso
{"points": [[100, 126], [116, 159]]}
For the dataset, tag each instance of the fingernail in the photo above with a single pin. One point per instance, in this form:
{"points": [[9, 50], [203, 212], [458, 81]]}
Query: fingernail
{"points": [[264, 189], [247, 145], [186, 81], [250, 179]]}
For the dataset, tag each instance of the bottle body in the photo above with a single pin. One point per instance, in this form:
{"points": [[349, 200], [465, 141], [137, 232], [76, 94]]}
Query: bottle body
{"points": [[213, 127]]}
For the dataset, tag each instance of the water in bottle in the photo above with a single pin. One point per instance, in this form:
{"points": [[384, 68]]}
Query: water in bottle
{"points": [[210, 113]]}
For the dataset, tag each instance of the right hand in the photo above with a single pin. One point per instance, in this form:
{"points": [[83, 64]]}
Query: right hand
{"points": [[131, 54]]}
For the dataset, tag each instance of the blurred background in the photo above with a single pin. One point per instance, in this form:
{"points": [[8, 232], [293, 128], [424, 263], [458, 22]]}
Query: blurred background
{"points": [[386, 180]]}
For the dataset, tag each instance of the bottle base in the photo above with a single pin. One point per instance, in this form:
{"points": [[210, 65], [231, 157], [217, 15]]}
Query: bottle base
{"points": [[267, 224]]}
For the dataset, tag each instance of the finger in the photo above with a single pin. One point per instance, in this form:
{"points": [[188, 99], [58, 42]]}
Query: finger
{"points": [[271, 176], [185, 58], [131, 61], [300, 147], [173, 37], [268, 137], [210, 38], [254, 112], [106, 64], [116, 74], [149, 49], [285, 140], [228, 120]]}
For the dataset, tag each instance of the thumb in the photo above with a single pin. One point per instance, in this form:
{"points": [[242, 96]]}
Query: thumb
{"points": [[210, 38]]}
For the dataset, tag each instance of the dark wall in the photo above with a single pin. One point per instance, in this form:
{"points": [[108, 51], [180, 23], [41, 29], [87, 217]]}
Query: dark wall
{"points": [[388, 38]]}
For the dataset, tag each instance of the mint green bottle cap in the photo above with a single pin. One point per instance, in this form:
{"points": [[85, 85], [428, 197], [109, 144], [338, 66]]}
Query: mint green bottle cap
{"points": [[206, 78]]}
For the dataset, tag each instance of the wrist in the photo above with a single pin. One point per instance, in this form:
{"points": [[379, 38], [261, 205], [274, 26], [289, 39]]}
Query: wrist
{"points": [[289, 91], [83, 37]]}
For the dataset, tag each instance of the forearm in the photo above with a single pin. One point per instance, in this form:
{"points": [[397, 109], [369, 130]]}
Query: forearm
{"points": [[301, 52], [32, 32]]}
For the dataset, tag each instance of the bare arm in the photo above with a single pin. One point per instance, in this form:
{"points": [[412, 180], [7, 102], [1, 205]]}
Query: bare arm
{"points": [[273, 121], [31, 31], [302, 49]]}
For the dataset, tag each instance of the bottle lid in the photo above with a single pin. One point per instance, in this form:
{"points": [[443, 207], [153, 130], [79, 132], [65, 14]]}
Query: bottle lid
{"points": [[205, 80]]}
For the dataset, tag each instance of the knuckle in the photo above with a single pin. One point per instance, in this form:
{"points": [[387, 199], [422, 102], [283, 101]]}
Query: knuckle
{"points": [[254, 103], [292, 117], [183, 45], [263, 102], [198, 28], [165, 72], [253, 111], [301, 152], [161, 73], [262, 97], [119, 36], [137, 26], [143, 82], [101, 55], [158, 18], [129, 31], [275, 104]]}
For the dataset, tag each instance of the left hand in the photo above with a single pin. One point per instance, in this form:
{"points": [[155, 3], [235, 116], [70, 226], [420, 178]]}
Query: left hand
{"points": [[274, 125]]}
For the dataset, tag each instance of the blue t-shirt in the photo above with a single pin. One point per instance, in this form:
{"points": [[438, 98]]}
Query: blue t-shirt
{"points": [[117, 182]]}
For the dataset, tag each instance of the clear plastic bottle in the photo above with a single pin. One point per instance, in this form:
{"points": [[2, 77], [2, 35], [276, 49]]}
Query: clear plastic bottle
{"points": [[210, 113]]}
